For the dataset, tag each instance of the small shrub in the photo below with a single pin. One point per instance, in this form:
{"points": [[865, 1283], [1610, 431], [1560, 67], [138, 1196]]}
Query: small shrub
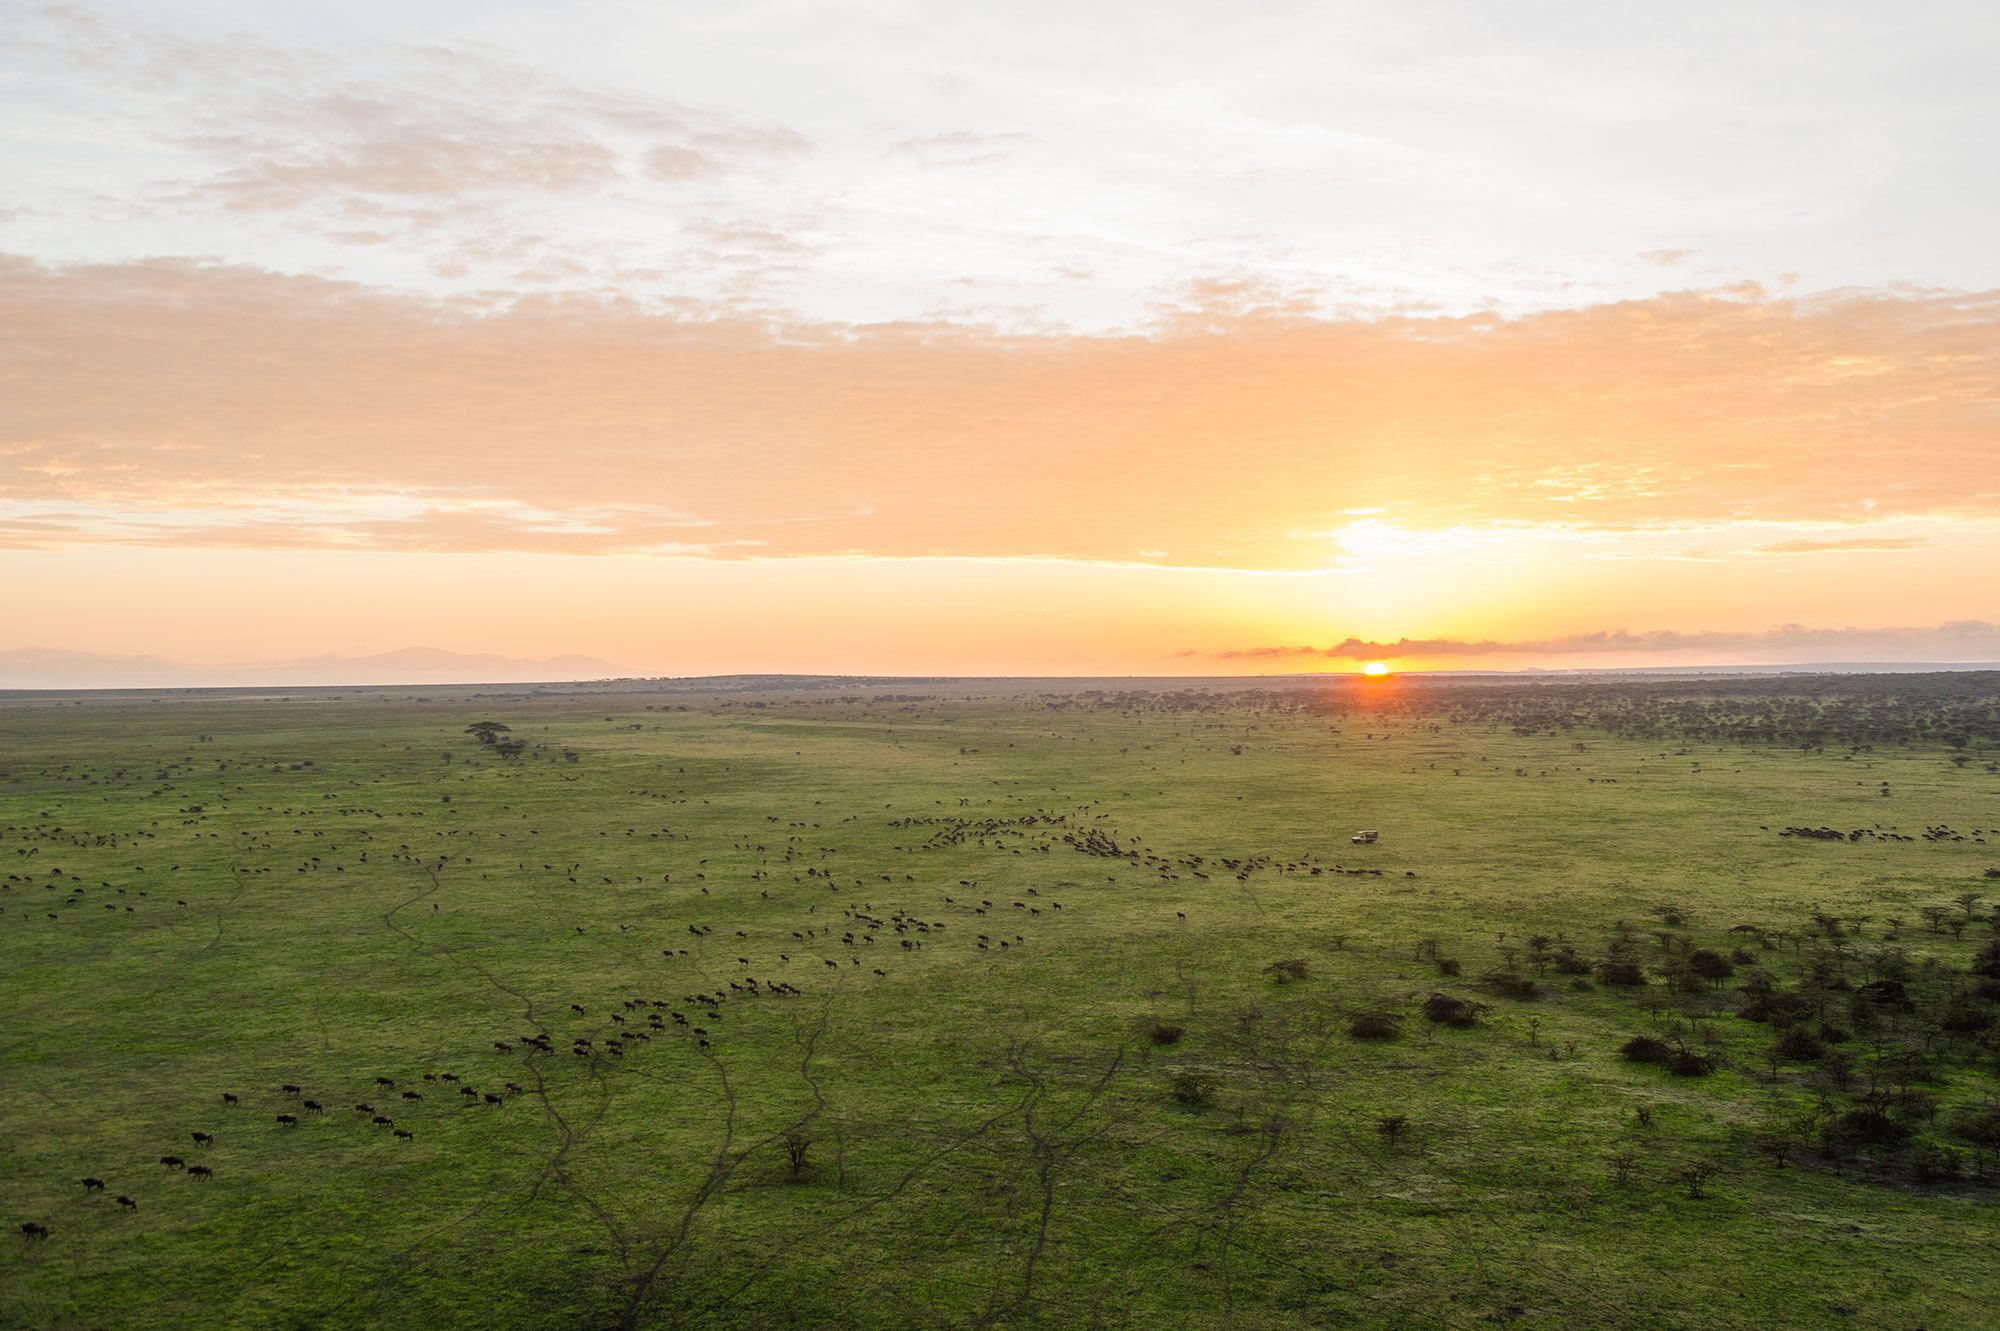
{"points": [[1687, 1063], [1448, 967], [1392, 1127], [1160, 1033], [1621, 1167], [1936, 1164], [797, 1142], [1194, 1089], [1374, 1026], [1708, 965], [1695, 1175], [1445, 1010], [1625, 974], [1284, 972], [1799, 1045], [1509, 984], [1978, 1124], [1779, 1009], [1644, 1049], [1865, 1127]]}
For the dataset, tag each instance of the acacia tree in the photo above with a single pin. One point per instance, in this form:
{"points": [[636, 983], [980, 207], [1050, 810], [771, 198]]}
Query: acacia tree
{"points": [[487, 732]]}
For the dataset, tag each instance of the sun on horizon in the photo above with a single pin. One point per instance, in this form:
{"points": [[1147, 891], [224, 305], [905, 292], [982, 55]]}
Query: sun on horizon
{"points": [[1376, 669]]}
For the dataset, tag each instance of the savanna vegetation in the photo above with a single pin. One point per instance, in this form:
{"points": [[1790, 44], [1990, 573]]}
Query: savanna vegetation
{"points": [[1655, 1003]]}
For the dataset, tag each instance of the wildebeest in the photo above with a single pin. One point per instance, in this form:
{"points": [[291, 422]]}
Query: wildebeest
{"points": [[172, 1161], [127, 1203], [93, 1185], [384, 1081], [382, 1120], [203, 1139], [314, 1107], [33, 1230], [364, 1109], [287, 1120], [413, 1095], [228, 1098], [492, 1099], [200, 1172], [406, 1134], [289, 1089]]}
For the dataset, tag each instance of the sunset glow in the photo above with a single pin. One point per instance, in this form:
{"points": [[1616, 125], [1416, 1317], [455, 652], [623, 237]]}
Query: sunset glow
{"points": [[996, 344]]}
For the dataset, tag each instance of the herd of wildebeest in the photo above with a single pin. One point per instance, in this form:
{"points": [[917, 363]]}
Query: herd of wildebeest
{"points": [[1851, 1016]]}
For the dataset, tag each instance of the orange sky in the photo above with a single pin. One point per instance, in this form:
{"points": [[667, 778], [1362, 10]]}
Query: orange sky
{"points": [[1234, 462]]}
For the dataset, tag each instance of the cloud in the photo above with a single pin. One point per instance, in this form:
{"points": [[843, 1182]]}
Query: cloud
{"points": [[668, 161], [960, 147], [1807, 547], [190, 403], [1959, 635], [284, 130]]}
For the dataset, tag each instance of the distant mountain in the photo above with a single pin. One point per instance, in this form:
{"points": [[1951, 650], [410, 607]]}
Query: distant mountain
{"points": [[46, 668]]}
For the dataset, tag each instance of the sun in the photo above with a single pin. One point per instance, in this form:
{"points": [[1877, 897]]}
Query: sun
{"points": [[1376, 669]]}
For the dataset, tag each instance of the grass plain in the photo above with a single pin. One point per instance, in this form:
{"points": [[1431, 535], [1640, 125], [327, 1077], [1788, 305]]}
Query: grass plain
{"points": [[1050, 1021]]}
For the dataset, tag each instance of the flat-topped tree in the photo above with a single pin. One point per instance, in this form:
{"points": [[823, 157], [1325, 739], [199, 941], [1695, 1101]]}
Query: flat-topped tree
{"points": [[488, 732]]}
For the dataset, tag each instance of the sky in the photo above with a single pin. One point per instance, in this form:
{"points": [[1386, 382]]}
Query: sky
{"points": [[1031, 339]]}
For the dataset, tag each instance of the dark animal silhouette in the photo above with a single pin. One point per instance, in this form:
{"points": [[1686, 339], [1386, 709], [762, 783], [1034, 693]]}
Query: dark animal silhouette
{"points": [[93, 1185], [33, 1230]]}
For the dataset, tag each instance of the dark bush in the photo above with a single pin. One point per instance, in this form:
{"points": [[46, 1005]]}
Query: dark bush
{"points": [[1508, 984], [1567, 962], [1968, 1016], [1686, 1063], [1710, 965], [1448, 1011], [1886, 993], [1865, 1127], [1644, 1049], [797, 1142], [1374, 1026], [1284, 972], [1194, 1089], [1936, 1164], [1799, 1045], [1623, 973], [1448, 967], [1978, 1124], [1780, 1009], [1160, 1033]]}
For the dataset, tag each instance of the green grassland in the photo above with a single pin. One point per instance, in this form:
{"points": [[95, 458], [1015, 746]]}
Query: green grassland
{"points": [[1098, 1101]]}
